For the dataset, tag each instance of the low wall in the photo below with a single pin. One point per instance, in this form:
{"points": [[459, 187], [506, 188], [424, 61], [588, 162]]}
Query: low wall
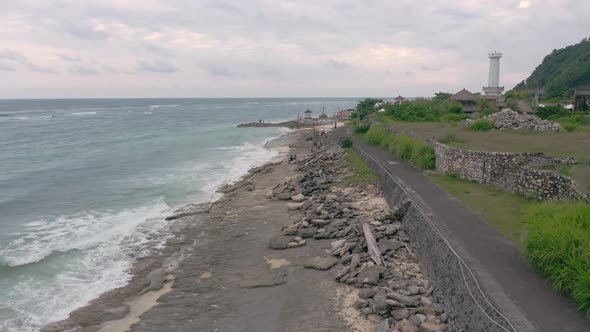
{"points": [[439, 263], [509, 171]]}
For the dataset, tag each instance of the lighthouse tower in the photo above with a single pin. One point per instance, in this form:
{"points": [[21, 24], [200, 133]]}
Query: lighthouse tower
{"points": [[494, 89]]}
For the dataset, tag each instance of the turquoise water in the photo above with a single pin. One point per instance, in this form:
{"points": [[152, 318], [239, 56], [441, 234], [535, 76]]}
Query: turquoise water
{"points": [[84, 186]]}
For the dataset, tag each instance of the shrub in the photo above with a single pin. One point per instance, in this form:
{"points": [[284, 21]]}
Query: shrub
{"points": [[570, 126], [558, 246], [455, 108], [481, 125], [346, 143], [361, 129]]}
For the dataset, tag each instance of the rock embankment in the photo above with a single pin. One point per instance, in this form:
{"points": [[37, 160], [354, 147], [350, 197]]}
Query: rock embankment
{"points": [[510, 119], [294, 124], [392, 290]]}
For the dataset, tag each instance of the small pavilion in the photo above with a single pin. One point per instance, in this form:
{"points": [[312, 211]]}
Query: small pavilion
{"points": [[582, 98], [468, 100], [399, 99], [308, 114]]}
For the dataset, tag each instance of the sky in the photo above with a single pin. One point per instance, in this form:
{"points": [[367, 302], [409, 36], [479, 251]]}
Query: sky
{"points": [[274, 48]]}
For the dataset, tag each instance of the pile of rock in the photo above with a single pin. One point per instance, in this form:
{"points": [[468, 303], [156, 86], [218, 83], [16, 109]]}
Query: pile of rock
{"points": [[392, 291], [508, 118]]}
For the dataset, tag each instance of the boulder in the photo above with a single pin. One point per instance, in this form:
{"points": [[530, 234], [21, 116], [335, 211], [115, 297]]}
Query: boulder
{"points": [[369, 275], [319, 263], [298, 198]]}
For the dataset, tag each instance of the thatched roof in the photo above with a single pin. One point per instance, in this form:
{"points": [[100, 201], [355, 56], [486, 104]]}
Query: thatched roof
{"points": [[464, 95], [308, 111]]}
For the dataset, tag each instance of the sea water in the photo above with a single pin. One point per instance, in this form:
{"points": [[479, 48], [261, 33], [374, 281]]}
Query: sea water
{"points": [[85, 184]]}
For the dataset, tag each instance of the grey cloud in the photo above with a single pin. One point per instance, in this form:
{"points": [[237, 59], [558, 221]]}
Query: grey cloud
{"points": [[216, 69], [84, 30], [69, 58], [156, 66], [6, 67], [83, 70], [18, 58], [338, 64]]}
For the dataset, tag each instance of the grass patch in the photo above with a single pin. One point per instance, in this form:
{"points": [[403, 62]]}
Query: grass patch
{"points": [[499, 208], [451, 137], [481, 125], [362, 172], [558, 245], [404, 147]]}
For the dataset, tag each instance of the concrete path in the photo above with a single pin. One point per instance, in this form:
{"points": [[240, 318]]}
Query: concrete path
{"points": [[495, 257]]}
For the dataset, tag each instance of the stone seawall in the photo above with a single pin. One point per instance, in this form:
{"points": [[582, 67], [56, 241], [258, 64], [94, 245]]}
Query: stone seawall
{"points": [[452, 280]]}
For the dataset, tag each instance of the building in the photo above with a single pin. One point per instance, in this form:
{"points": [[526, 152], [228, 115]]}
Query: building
{"points": [[582, 98], [400, 99], [468, 100], [345, 114], [308, 114]]}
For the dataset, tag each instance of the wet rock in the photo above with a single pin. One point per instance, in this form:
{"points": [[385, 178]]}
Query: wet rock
{"points": [[389, 245], [318, 222], [279, 242], [294, 206], [430, 327], [306, 232], [366, 293], [298, 198], [263, 278], [405, 300], [369, 275], [319, 263], [400, 314]]}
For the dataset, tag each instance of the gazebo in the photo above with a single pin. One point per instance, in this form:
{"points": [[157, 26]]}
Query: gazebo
{"points": [[308, 114], [399, 99], [468, 100]]}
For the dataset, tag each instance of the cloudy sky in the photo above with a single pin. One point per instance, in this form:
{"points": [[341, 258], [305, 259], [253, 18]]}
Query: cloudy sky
{"points": [[273, 48]]}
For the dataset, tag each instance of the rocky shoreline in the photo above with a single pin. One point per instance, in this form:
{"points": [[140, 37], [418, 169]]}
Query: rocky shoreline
{"points": [[246, 261], [293, 124]]}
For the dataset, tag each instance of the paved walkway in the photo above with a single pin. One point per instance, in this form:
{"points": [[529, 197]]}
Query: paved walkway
{"points": [[495, 257]]}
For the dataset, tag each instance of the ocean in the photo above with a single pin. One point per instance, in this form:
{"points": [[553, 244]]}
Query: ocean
{"points": [[85, 185]]}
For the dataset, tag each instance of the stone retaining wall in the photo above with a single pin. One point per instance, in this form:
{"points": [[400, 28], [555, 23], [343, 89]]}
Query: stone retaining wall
{"points": [[511, 172], [439, 263]]}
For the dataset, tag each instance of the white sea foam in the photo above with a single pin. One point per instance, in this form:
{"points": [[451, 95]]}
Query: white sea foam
{"points": [[84, 113], [158, 106], [94, 252]]}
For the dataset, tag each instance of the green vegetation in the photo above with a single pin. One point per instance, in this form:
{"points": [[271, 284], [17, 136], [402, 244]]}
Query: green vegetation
{"points": [[362, 172], [437, 109], [558, 245], [570, 120], [346, 143], [361, 129], [499, 208], [404, 147], [481, 125], [561, 71], [366, 107]]}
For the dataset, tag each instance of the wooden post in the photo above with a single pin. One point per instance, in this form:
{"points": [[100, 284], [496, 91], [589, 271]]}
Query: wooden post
{"points": [[372, 245]]}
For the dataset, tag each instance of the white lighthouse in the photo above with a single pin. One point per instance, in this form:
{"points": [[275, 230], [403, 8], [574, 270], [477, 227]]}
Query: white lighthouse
{"points": [[494, 89]]}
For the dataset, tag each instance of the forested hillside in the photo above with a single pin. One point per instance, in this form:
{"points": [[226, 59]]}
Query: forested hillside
{"points": [[561, 71]]}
